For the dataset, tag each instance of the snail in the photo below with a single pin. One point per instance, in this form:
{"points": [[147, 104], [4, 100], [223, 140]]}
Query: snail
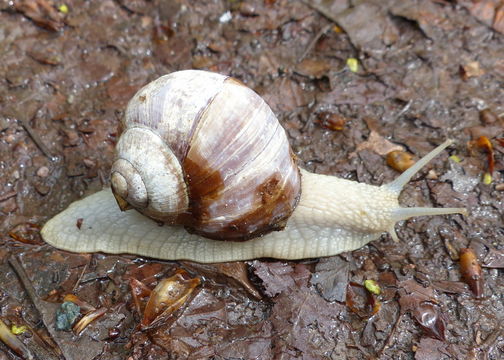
{"points": [[208, 167]]}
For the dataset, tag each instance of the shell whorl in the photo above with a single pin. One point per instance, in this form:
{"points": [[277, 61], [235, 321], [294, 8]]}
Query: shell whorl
{"points": [[211, 155]]}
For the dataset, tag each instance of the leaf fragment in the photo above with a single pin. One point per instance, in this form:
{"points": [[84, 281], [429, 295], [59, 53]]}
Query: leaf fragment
{"points": [[372, 286], [88, 319], [10, 340], [353, 64], [168, 296], [400, 160], [66, 315], [471, 271]]}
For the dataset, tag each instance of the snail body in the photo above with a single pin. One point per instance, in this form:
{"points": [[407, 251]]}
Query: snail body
{"points": [[204, 154]]}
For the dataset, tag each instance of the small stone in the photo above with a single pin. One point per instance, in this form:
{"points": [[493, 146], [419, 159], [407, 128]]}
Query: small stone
{"points": [[71, 138], [432, 175], [42, 188], [10, 138], [43, 171], [66, 315], [89, 163], [9, 205]]}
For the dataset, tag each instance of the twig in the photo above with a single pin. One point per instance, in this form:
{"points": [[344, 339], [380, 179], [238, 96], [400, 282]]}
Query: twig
{"points": [[8, 195], [39, 306], [34, 136], [404, 109], [335, 18], [491, 340], [314, 41], [81, 274], [321, 9], [390, 337]]}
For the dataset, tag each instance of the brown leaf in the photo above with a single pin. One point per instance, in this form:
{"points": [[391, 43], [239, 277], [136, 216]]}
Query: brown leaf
{"points": [[378, 144], [367, 24], [303, 322], [42, 12], [26, 233], [483, 10], [430, 320], [331, 121], [88, 319], [498, 23], [360, 301], [168, 296], [238, 271], [400, 160], [484, 144], [421, 303], [471, 69], [331, 278], [494, 259], [315, 68], [471, 271], [412, 294], [286, 95], [277, 277], [232, 274], [451, 287], [138, 292], [430, 349]]}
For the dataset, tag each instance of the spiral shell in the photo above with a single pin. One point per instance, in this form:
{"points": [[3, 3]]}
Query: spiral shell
{"points": [[202, 150]]}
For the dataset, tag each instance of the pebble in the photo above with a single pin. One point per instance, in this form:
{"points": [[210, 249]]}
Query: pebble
{"points": [[43, 171]]}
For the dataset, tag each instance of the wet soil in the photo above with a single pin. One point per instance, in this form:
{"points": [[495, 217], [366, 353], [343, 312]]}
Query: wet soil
{"points": [[349, 81]]}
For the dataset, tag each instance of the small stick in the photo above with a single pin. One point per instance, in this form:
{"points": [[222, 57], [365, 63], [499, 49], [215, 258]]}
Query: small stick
{"points": [[39, 306], [314, 41], [81, 274], [8, 195], [322, 10], [34, 136], [390, 337]]}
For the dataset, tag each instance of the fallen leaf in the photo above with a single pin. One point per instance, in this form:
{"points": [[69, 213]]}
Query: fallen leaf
{"points": [[430, 319], [400, 160], [470, 270], [378, 144], [331, 121], [471, 69], [168, 296], [88, 319], [331, 278], [314, 68], [430, 349]]}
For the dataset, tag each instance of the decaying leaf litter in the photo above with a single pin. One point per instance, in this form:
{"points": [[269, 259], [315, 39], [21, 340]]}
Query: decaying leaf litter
{"points": [[349, 84]]}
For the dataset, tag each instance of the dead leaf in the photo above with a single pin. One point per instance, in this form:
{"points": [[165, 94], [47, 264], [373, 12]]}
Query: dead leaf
{"points": [[168, 296], [42, 12], [400, 160], [378, 144], [471, 69], [331, 278], [314, 68], [470, 270], [430, 349]]}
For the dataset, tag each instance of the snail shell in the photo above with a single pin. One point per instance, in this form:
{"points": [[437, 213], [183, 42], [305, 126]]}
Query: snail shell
{"points": [[202, 150]]}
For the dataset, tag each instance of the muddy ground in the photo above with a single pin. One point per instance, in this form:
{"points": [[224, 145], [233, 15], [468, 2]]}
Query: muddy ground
{"points": [[348, 81]]}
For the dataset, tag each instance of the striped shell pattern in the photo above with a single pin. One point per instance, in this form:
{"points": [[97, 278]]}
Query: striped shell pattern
{"points": [[202, 150]]}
